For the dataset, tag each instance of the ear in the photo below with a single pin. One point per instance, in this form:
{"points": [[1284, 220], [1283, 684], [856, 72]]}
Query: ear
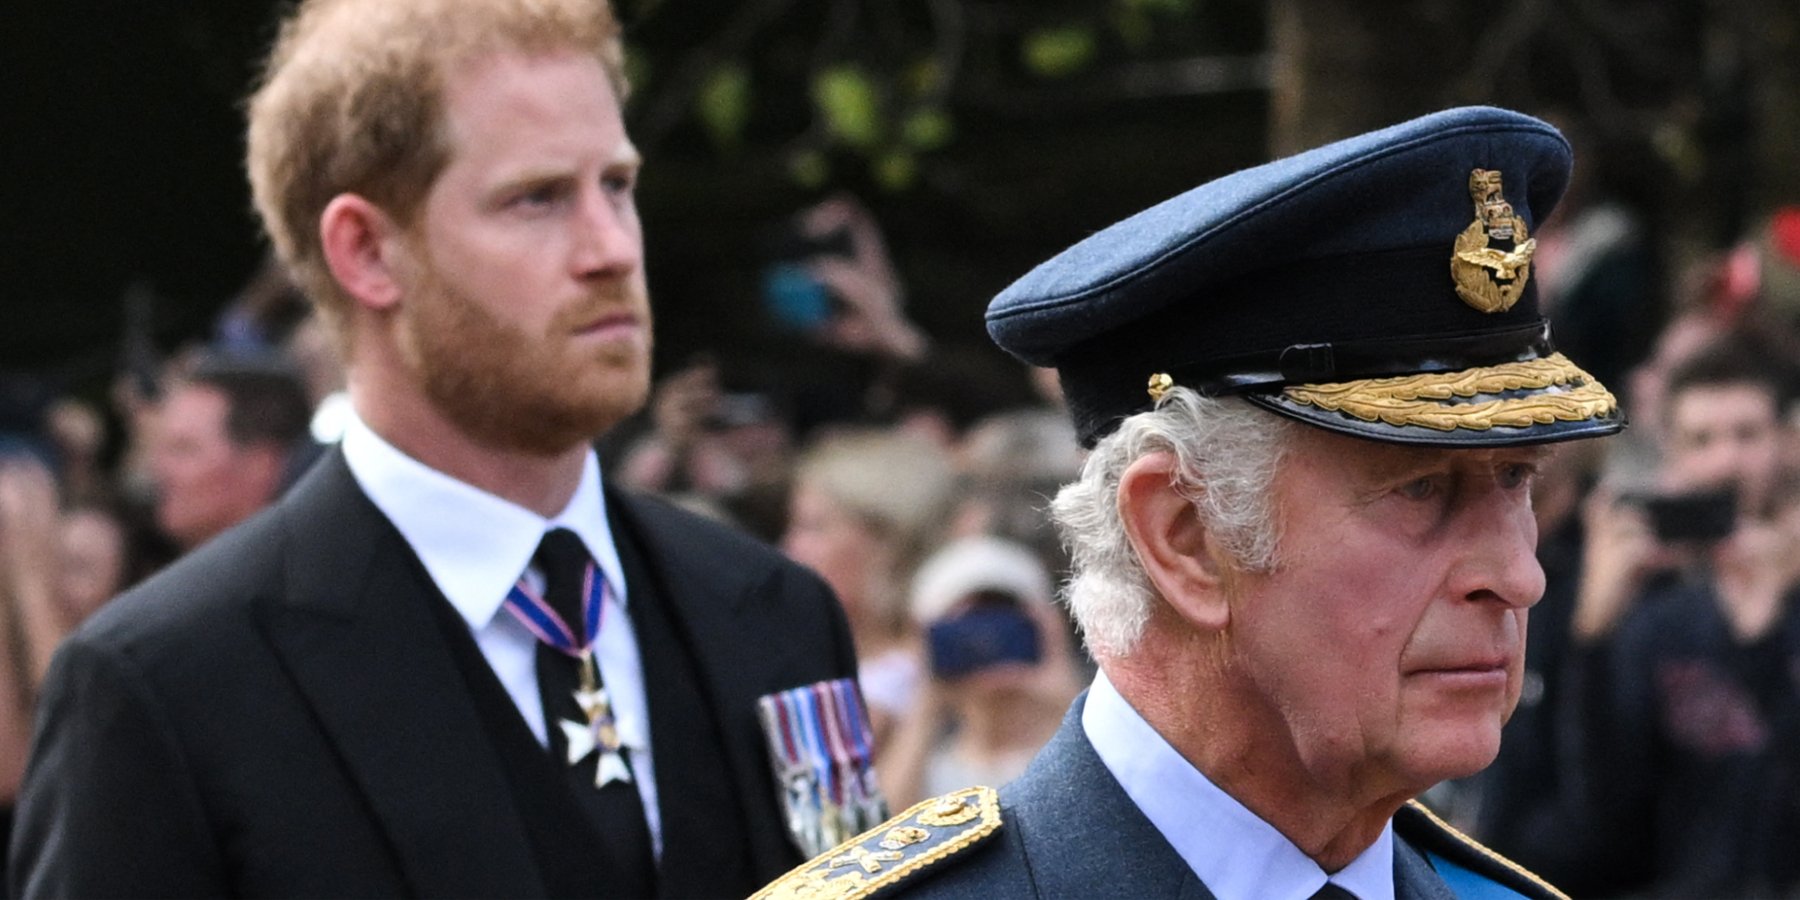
{"points": [[360, 243], [1178, 553]]}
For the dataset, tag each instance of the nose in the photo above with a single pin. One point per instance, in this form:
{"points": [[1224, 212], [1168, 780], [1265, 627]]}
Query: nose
{"points": [[608, 241], [1498, 562]]}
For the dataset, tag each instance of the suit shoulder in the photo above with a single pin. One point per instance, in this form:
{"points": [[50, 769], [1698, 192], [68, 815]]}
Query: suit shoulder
{"points": [[661, 517], [674, 531], [202, 595], [1433, 836], [918, 853]]}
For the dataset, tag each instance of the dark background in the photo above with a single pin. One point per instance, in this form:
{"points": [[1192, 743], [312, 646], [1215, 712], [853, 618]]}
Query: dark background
{"points": [[122, 142], [124, 167]]}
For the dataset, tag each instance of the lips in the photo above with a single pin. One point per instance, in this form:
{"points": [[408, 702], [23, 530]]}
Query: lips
{"points": [[1486, 664], [610, 324], [1471, 663]]}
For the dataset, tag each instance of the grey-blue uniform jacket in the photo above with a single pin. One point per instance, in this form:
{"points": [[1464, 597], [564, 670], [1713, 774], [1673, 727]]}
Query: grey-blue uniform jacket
{"points": [[1067, 829]]}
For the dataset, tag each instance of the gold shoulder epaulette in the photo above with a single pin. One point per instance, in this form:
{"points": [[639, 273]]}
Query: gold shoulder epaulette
{"points": [[1481, 851], [895, 850]]}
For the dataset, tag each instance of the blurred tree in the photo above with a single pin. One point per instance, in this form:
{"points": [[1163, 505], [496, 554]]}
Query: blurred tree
{"points": [[984, 134], [878, 86], [1707, 89]]}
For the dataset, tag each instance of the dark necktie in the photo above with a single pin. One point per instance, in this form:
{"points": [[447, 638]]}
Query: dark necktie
{"points": [[615, 807], [1332, 892]]}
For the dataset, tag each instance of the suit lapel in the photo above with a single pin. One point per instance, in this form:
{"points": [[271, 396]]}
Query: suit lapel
{"points": [[736, 652], [1083, 837], [702, 829], [356, 637]]}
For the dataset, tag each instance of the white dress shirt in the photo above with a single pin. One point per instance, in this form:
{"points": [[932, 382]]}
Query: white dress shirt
{"points": [[475, 546], [1236, 854]]}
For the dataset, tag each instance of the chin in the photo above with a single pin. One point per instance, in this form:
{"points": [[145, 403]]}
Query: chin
{"points": [[613, 400], [1455, 752]]}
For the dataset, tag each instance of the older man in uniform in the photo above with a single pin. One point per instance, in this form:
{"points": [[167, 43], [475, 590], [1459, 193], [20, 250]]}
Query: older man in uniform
{"points": [[1316, 392]]}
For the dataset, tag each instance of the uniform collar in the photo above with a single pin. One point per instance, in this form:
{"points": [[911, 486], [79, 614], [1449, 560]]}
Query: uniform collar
{"points": [[473, 544], [1236, 854]]}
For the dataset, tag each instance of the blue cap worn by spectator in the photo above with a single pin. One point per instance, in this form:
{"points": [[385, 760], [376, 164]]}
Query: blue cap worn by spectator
{"points": [[1379, 286]]}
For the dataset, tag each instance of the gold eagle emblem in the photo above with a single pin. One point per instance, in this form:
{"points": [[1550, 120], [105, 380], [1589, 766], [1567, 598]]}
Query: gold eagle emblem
{"points": [[1492, 259]]}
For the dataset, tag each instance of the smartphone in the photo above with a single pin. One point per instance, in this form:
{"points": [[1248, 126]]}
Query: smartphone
{"points": [[1700, 516], [793, 296], [983, 637]]}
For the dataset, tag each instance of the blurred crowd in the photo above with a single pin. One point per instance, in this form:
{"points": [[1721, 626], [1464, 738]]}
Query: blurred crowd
{"points": [[1656, 750]]}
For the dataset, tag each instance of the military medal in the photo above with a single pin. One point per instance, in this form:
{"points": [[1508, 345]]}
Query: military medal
{"points": [[600, 733], [819, 743]]}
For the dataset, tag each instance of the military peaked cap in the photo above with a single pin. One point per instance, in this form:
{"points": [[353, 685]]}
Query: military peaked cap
{"points": [[1380, 286]]}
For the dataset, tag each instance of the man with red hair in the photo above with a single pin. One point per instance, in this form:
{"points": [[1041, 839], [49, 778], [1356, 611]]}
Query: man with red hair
{"points": [[451, 661]]}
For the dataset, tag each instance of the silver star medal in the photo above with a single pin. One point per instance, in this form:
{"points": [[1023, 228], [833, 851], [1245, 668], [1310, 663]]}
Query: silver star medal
{"points": [[598, 733]]}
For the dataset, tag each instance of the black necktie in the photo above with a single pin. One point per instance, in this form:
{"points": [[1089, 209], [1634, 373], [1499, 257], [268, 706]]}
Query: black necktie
{"points": [[615, 808], [1332, 892]]}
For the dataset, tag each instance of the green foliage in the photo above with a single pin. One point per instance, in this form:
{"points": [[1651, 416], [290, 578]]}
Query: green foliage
{"points": [[724, 104], [926, 129], [846, 99], [637, 70], [1135, 20], [896, 170], [1158, 7], [809, 168], [878, 92], [923, 77], [1059, 52]]}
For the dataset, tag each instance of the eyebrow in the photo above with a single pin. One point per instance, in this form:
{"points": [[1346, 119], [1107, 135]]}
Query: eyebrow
{"points": [[1413, 459], [533, 175]]}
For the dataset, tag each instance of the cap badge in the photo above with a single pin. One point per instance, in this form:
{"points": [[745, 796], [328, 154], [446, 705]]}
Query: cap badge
{"points": [[1159, 385], [1492, 261]]}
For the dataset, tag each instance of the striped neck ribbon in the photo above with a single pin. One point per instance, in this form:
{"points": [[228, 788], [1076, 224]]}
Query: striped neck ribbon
{"points": [[538, 617]]}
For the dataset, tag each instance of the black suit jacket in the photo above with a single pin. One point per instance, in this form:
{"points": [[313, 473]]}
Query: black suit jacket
{"points": [[278, 715]]}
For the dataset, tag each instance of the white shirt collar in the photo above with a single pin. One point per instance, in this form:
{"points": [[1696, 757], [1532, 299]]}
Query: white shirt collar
{"points": [[1236, 854], [473, 544]]}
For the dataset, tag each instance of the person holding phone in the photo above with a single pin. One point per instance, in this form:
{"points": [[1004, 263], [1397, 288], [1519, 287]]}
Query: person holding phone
{"points": [[1681, 780], [1000, 670], [1722, 451], [867, 506]]}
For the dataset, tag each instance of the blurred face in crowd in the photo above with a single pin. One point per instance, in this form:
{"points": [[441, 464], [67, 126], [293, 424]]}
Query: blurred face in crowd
{"points": [[205, 481], [93, 563], [529, 324], [837, 544], [1721, 435], [1385, 647]]}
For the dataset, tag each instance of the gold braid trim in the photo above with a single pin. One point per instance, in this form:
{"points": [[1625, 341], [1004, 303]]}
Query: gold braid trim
{"points": [[1484, 851], [976, 810], [1421, 399]]}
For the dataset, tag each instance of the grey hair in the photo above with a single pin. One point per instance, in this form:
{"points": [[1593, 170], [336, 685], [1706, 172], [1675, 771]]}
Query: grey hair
{"points": [[1226, 452]]}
